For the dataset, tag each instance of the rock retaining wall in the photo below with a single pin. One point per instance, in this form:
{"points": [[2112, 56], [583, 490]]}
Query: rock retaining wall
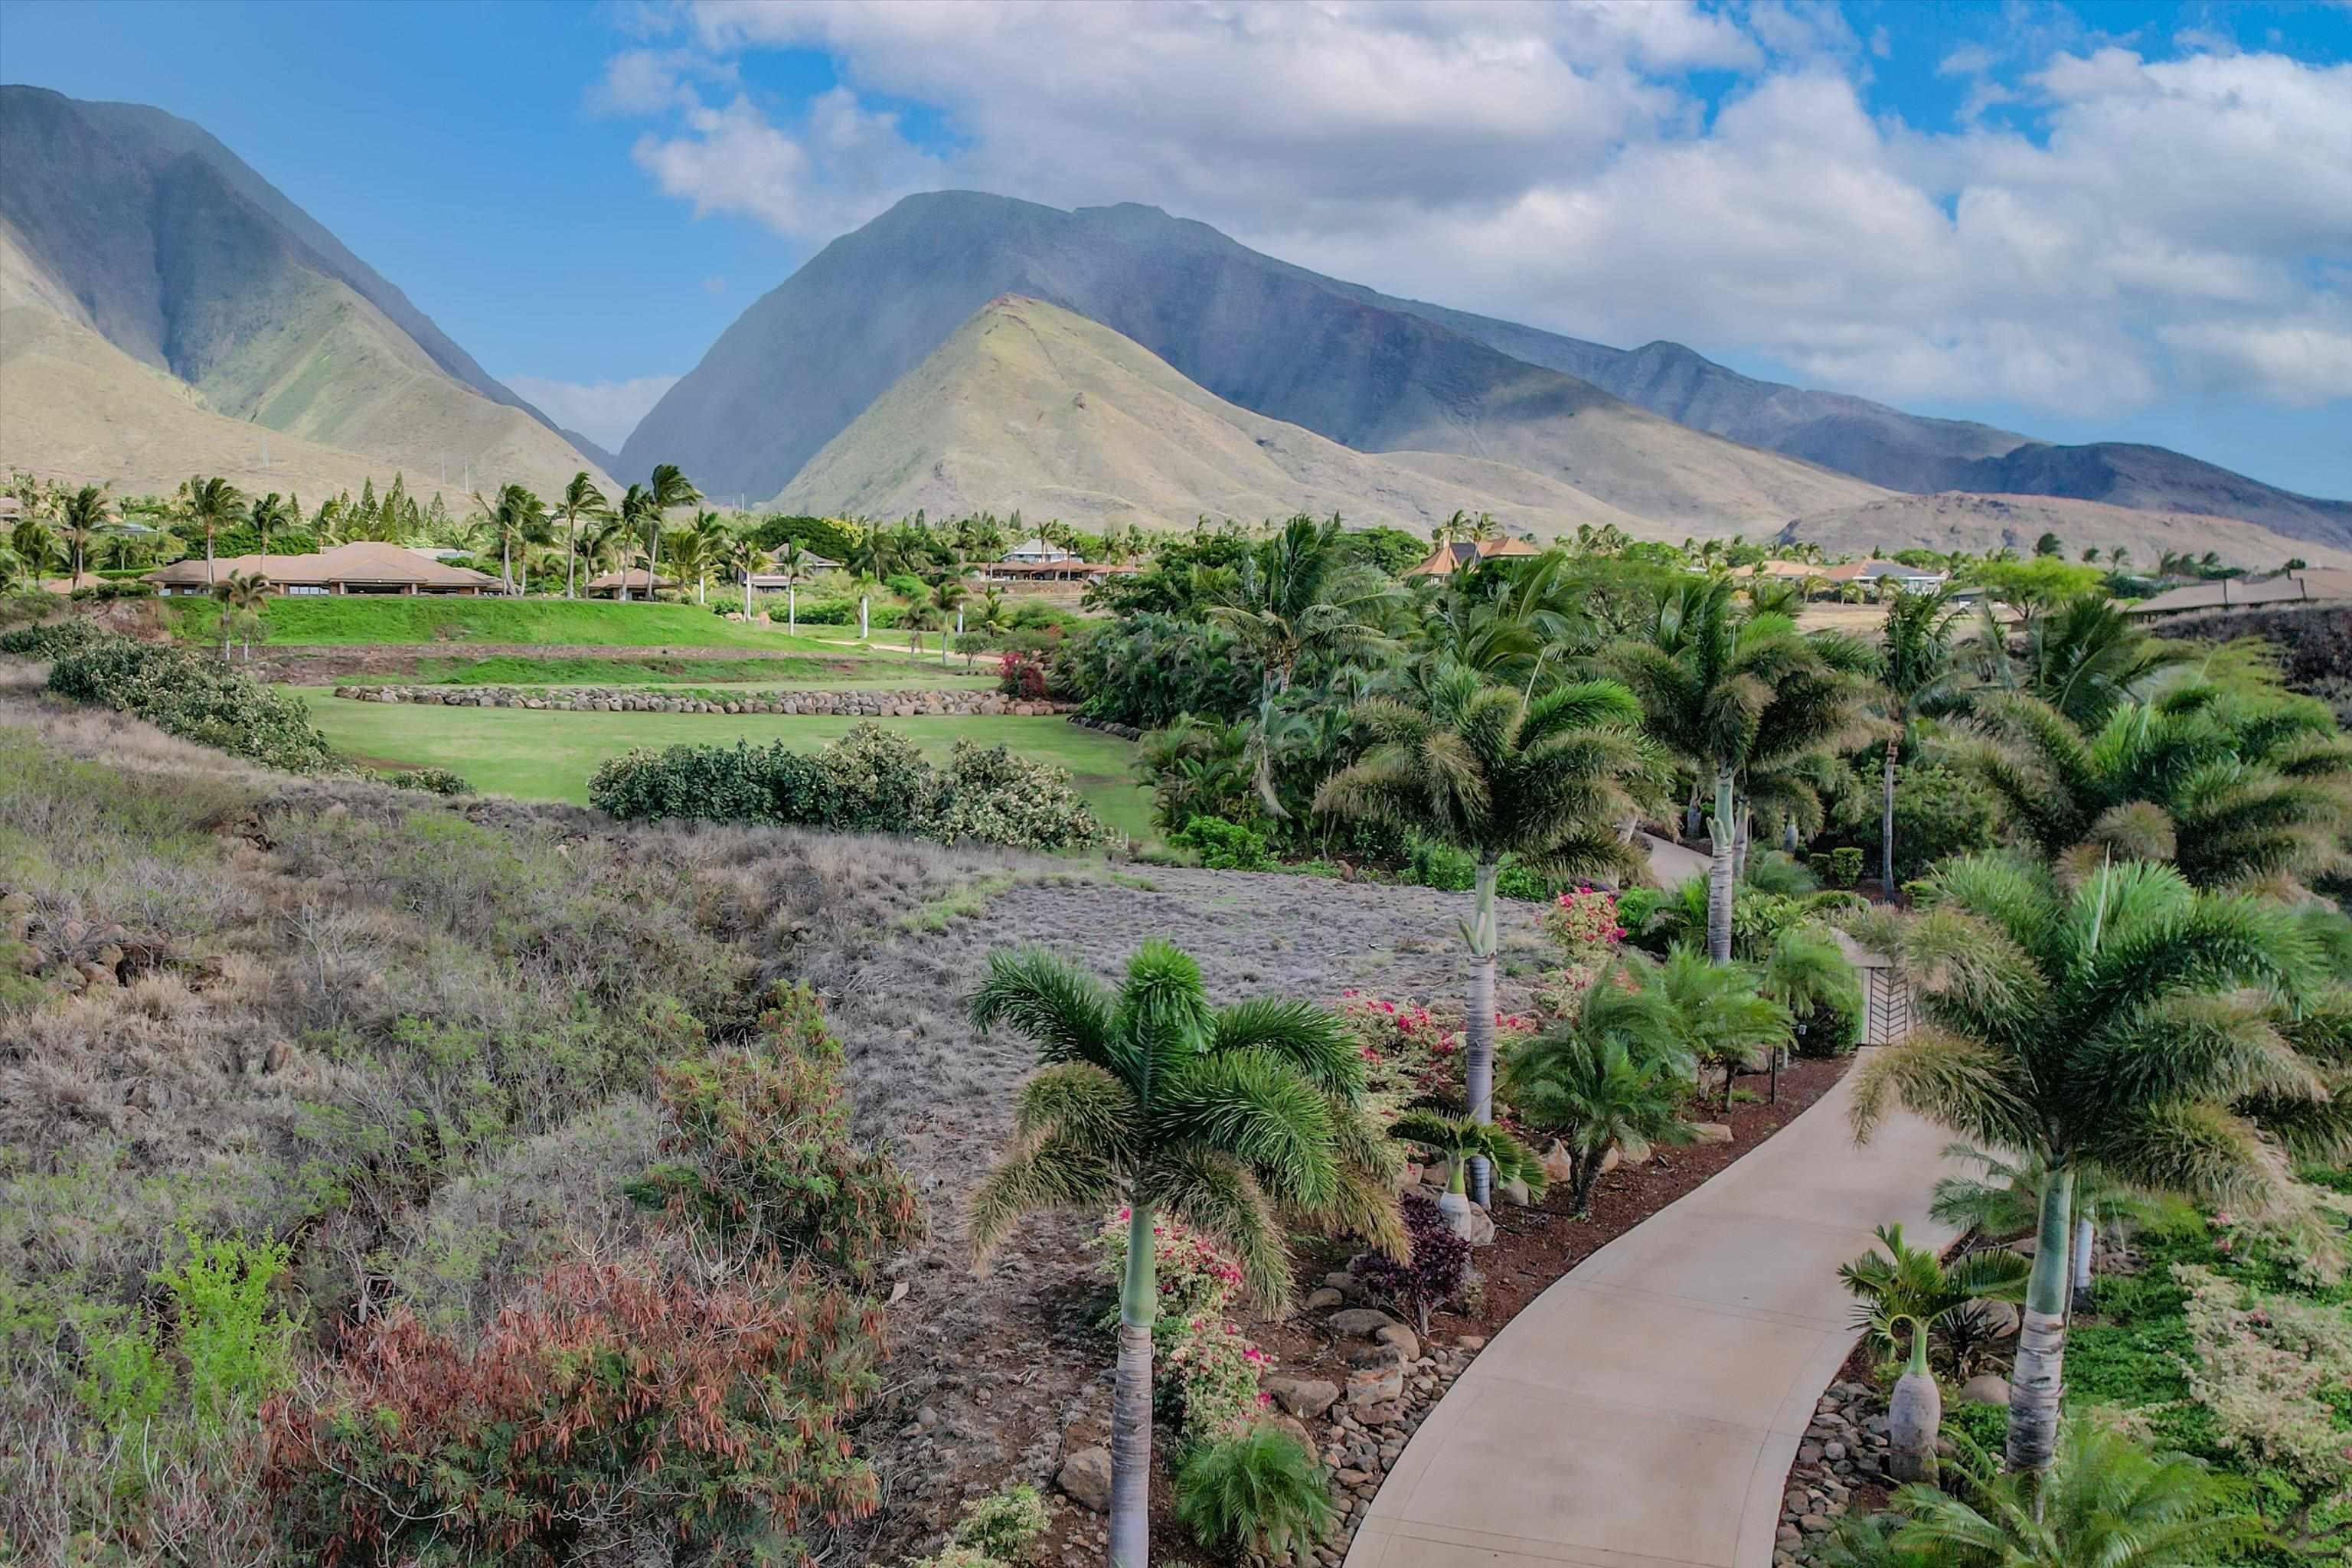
{"points": [[601, 700]]}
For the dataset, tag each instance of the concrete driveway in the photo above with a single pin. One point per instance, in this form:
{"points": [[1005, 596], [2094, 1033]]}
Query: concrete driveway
{"points": [[1644, 1410]]}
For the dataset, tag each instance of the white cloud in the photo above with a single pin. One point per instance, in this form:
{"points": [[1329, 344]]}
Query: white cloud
{"points": [[2171, 224], [603, 411]]}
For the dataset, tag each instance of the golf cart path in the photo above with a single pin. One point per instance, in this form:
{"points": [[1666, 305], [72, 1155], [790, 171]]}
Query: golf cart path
{"points": [[1644, 1411]]}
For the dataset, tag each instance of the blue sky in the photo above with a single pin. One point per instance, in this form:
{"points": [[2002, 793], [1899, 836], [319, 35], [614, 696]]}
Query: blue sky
{"points": [[2092, 221]]}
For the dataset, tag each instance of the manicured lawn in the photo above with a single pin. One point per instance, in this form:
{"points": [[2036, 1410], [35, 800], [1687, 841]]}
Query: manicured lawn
{"points": [[396, 619], [549, 756], [844, 669]]}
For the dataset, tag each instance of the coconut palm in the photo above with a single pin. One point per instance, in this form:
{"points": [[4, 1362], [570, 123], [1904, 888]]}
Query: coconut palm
{"points": [[1917, 671], [667, 489], [872, 557], [82, 519], [207, 506], [581, 502], [2104, 1502], [1728, 695], [516, 516], [268, 513], [1486, 770], [745, 559], [1909, 1289], [2104, 1025], [1218, 1117], [1608, 1078], [947, 596]]}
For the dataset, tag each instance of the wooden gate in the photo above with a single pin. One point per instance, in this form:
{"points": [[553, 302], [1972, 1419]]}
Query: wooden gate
{"points": [[1887, 998]]}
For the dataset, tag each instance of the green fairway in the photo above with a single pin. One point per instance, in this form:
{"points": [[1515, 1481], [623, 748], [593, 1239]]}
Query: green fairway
{"points": [[549, 756], [842, 669], [427, 619]]}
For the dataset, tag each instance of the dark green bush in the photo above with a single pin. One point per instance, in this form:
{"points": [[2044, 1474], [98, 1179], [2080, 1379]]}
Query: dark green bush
{"points": [[742, 783], [432, 780], [1224, 846], [1259, 1489], [53, 638], [195, 698], [1939, 812], [1846, 866]]}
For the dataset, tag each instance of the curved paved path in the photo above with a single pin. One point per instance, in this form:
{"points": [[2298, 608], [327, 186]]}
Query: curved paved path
{"points": [[1644, 1411]]}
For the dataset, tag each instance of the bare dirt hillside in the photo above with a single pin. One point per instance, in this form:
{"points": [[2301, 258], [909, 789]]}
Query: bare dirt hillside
{"points": [[1030, 406], [1953, 521]]}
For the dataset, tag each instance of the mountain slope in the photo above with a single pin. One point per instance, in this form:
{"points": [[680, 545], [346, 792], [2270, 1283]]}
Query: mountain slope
{"points": [[806, 360], [1027, 405], [1901, 451], [1983, 523], [145, 229]]}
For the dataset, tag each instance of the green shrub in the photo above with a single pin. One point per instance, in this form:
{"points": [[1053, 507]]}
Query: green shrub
{"points": [[991, 796], [195, 698], [1258, 1488], [1004, 1524], [1224, 846], [762, 1151], [1846, 866], [55, 637], [227, 1349], [1939, 812], [742, 783], [432, 780]]}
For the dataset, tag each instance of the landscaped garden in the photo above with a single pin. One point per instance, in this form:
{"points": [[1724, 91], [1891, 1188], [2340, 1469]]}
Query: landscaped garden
{"points": [[418, 1175]]}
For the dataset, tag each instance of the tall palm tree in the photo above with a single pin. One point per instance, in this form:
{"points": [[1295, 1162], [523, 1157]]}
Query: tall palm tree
{"points": [[707, 538], [82, 519], [1728, 694], [580, 502], [1917, 671], [1608, 1077], [268, 513], [2102, 1025], [746, 559], [208, 505], [947, 596], [667, 489], [792, 565], [514, 516], [872, 557], [1489, 771], [2083, 656], [1217, 1117]]}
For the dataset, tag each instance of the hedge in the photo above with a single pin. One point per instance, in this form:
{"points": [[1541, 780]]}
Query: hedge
{"points": [[195, 698]]}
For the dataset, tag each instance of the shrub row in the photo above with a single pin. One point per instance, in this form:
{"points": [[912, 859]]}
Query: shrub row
{"points": [[195, 698], [869, 781], [49, 640]]}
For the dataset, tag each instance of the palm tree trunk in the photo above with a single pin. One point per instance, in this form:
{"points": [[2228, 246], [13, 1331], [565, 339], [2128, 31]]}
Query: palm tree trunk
{"points": [[1739, 844], [1912, 1415], [1130, 1401], [1887, 823], [2037, 1380], [1718, 872], [1478, 1025], [506, 567], [862, 632], [792, 609], [2086, 1236], [653, 567], [746, 593], [570, 548]]}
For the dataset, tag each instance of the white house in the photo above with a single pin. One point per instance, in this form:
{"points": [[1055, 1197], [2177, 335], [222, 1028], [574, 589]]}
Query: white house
{"points": [[1034, 551]]}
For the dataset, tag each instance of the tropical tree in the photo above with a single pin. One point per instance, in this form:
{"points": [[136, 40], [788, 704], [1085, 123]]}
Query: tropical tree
{"points": [[82, 519], [1808, 973], [872, 557], [666, 490], [516, 516], [791, 560], [2104, 1502], [242, 597], [1463, 1143], [947, 596], [708, 537], [1908, 1289], [2006, 1199], [1608, 1077], [268, 513], [1219, 1117], [2079, 655], [207, 506], [1548, 781], [2102, 1025], [581, 502], [1720, 1014], [1728, 695], [746, 559], [1917, 671]]}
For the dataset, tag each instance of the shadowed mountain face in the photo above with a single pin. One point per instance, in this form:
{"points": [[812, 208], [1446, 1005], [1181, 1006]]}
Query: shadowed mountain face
{"points": [[141, 228], [1364, 369], [1273, 339]]}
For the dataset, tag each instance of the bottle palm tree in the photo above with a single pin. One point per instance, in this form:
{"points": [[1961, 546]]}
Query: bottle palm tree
{"points": [[82, 519], [1726, 694], [2104, 1026], [792, 565], [2104, 1502], [1151, 1098], [1608, 1077], [1465, 1142], [1917, 671], [1909, 1289], [746, 559], [580, 502], [1486, 770], [208, 505]]}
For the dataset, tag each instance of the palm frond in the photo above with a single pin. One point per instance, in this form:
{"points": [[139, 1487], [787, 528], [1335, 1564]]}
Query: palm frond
{"points": [[1217, 1198], [1032, 1177], [1311, 1039]]}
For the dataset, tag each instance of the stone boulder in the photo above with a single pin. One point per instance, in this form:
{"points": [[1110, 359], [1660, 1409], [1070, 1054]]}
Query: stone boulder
{"points": [[1303, 1396], [1085, 1476], [1985, 1388], [1360, 1322], [1710, 1132]]}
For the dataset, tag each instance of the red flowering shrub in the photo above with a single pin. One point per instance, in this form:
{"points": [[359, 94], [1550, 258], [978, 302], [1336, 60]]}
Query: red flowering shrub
{"points": [[1584, 922], [1409, 1056], [1208, 1371], [1021, 673], [762, 1151], [617, 1398]]}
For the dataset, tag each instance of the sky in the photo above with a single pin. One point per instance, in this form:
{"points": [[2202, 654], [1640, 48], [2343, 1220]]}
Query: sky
{"points": [[2124, 221]]}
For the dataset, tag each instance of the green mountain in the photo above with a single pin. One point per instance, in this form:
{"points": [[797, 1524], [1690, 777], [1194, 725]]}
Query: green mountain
{"points": [[139, 227]]}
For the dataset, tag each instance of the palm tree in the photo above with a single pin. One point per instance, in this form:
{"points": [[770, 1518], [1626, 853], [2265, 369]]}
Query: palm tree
{"points": [[706, 539], [1486, 770], [268, 513], [1917, 671], [667, 488], [1608, 1078], [2104, 1502], [2007, 1200], [872, 558], [514, 516], [242, 597], [2083, 656], [1151, 1098], [921, 616], [82, 519], [746, 559], [1720, 1014], [208, 505], [580, 500], [1465, 1142], [2101, 1025], [947, 596], [1910, 1289], [1728, 695], [792, 565]]}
